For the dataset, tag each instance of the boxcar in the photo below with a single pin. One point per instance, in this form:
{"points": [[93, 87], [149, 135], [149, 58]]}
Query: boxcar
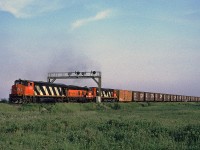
{"points": [[124, 96], [138, 96], [187, 98], [192, 99], [149, 97], [173, 98], [167, 98], [184, 98], [179, 98], [159, 97]]}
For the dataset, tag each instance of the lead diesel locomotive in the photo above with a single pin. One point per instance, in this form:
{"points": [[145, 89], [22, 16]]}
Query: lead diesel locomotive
{"points": [[36, 91], [24, 91]]}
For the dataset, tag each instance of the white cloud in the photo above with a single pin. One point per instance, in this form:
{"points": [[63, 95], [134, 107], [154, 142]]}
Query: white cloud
{"points": [[99, 16], [28, 8]]}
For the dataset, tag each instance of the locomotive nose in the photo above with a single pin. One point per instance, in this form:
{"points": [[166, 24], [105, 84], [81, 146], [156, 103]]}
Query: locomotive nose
{"points": [[14, 89]]}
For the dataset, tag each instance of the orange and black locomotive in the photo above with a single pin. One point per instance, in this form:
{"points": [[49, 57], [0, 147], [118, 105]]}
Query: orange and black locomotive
{"points": [[36, 91]]}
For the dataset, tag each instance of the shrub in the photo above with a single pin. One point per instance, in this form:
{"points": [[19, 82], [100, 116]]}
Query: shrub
{"points": [[4, 100], [116, 106]]}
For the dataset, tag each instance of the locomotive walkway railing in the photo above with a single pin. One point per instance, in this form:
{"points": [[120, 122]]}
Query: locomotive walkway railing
{"points": [[95, 75]]}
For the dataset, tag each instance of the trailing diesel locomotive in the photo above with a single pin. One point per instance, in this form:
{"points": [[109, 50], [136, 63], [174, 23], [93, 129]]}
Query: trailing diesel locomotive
{"points": [[24, 91]]}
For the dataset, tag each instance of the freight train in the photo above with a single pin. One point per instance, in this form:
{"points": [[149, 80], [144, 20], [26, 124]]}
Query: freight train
{"points": [[24, 91]]}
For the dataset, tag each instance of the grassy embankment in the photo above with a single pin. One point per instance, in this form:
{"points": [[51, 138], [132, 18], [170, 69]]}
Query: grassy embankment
{"points": [[100, 126]]}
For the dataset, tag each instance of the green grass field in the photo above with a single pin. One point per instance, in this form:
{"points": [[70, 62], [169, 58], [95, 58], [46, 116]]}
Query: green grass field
{"points": [[100, 126]]}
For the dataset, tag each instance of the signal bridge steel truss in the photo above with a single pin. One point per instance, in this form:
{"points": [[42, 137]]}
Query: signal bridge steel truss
{"points": [[95, 75]]}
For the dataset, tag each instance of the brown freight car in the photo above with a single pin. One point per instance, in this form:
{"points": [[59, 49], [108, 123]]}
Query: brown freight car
{"points": [[167, 98], [159, 97], [184, 98], [187, 98], [192, 98], [138, 96], [179, 98], [124, 96], [173, 98], [149, 97]]}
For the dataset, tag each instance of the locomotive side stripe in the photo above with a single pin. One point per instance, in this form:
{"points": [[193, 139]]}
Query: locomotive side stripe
{"points": [[45, 90], [104, 94], [36, 90], [109, 94], [63, 91], [53, 88], [52, 93], [40, 90], [49, 91], [60, 92], [56, 89]]}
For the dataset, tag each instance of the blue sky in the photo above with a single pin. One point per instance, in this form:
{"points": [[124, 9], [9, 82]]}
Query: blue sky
{"points": [[146, 45]]}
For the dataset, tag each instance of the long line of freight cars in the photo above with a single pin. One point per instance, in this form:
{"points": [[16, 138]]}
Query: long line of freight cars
{"points": [[139, 96], [36, 91]]}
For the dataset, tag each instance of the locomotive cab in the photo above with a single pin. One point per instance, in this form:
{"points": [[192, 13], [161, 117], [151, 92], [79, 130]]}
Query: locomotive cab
{"points": [[20, 89]]}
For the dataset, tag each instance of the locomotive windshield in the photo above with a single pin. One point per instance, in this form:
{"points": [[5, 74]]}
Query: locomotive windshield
{"points": [[21, 82]]}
